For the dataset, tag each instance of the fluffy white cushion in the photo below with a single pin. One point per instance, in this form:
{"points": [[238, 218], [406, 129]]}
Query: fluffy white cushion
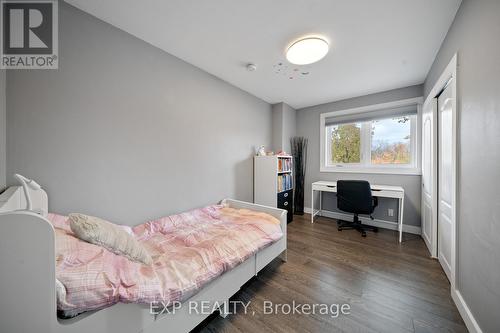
{"points": [[108, 235]]}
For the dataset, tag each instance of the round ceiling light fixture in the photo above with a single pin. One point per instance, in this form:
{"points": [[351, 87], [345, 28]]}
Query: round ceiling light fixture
{"points": [[307, 51]]}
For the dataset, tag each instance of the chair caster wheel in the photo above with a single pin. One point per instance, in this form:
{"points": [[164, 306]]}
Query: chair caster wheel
{"points": [[363, 234], [339, 228]]}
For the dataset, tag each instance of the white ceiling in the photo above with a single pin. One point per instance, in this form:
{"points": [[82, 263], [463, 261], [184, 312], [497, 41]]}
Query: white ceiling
{"points": [[374, 45]]}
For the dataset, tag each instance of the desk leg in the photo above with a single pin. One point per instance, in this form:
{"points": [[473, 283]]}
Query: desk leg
{"points": [[312, 206], [400, 224], [320, 203]]}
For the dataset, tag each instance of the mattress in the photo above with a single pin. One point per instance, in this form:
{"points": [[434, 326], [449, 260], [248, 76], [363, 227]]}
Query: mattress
{"points": [[189, 250]]}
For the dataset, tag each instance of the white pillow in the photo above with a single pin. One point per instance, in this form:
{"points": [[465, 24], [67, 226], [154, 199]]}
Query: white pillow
{"points": [[110, 236]]}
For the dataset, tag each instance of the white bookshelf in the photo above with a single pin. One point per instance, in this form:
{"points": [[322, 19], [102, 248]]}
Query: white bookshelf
{"points": [[273, 182]]}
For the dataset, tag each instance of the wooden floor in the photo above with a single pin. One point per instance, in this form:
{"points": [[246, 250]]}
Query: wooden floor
{"points": [[390, 287]]}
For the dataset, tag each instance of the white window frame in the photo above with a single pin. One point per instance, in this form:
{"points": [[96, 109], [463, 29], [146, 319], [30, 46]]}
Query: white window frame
{"points": [[415, 146]]}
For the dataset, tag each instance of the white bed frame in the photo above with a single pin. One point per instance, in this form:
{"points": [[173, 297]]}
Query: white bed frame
{"points": [[27, 278]]}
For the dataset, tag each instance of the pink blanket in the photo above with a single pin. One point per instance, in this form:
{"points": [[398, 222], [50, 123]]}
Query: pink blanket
{"points": [[188, 250]]}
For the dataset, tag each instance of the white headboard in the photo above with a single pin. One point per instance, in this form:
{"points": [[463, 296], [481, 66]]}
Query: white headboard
{"points": [[13, 199]]}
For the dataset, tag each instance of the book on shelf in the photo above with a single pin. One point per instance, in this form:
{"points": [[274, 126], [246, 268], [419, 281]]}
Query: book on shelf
{"points": [[284, 182], [284, 164]]}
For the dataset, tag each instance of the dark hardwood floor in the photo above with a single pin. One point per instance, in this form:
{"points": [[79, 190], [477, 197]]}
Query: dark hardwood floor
{"points": [[390, 287]]}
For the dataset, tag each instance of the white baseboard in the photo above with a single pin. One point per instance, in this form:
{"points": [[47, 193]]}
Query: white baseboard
{"points": [[366, 220], [465, 312]]}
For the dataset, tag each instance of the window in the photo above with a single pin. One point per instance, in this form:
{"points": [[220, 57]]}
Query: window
{"points": [[380, 141]]}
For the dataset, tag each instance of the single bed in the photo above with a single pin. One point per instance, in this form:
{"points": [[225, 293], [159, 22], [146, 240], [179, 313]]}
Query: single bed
{"points": [[28, 278]]}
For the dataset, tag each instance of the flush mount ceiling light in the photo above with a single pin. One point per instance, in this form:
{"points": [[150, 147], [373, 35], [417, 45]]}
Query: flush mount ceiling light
{"points": [[307, 51]]}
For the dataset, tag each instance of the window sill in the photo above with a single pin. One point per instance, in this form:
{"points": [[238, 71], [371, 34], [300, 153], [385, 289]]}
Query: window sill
{"points": [[385, 171]]}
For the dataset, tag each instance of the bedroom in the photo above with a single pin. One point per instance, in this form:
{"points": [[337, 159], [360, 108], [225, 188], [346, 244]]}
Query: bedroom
{"points": [[153, 109]]}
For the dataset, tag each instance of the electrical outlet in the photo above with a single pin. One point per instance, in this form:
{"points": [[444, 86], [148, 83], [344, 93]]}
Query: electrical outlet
{"points": [[390, 212]]}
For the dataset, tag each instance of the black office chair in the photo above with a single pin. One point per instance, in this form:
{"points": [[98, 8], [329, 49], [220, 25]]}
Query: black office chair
{"points": [[355, 196]]}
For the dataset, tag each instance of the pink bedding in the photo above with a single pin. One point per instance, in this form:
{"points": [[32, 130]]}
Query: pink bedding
{"points": [[188, 250]]}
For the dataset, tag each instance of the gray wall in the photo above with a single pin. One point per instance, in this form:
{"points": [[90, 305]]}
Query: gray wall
{"points": [[289, 126], [284, 126], [308, 126], [3, 114], [128, 132], [475, 36], [277, 127]]}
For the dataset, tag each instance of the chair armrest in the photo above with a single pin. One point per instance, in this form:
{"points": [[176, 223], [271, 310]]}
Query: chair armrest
{"points": [[375, 201]]}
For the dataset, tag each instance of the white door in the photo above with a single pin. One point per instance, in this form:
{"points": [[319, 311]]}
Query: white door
{"points": [[429, 164], [445, 178]]}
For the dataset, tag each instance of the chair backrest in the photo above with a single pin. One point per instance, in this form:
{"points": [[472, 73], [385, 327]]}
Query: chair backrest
{"points": [[354, 196]]}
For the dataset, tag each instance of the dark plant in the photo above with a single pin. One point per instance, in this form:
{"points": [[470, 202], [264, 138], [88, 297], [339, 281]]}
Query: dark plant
{"points": [[299, 153]]}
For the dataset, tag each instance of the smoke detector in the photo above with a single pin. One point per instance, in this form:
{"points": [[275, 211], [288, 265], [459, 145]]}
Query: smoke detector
{"points": [[251, 67]]}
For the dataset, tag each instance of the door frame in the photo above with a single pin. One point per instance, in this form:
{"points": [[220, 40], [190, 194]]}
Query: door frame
{"points": [[449, 73]]}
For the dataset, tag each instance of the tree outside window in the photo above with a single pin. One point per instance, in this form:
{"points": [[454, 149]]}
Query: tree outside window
{"points": [[346, 143]]}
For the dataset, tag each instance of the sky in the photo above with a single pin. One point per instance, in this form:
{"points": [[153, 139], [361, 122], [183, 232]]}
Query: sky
{"points": [[390, 131]]}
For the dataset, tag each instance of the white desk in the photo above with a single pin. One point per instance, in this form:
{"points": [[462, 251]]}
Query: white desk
{"points": [[383, 191]]}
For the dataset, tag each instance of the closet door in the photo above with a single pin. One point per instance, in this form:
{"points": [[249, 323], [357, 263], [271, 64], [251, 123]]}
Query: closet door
{"points": [[429, 166], [445, 178]]}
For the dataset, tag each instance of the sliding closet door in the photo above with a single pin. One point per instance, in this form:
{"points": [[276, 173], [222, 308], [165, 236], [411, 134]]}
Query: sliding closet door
{"points": [[429, 166], [445, 178]]}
